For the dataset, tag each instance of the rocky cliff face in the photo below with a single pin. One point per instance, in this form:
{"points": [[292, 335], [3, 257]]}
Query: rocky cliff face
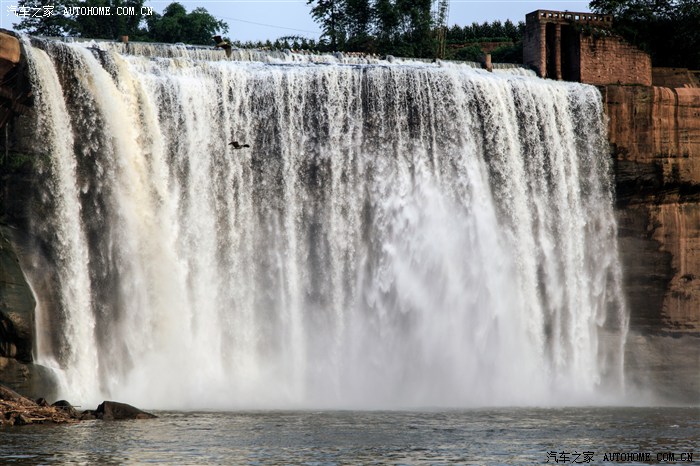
{"points": [[17, 327], [17, 304], [655, 136]]}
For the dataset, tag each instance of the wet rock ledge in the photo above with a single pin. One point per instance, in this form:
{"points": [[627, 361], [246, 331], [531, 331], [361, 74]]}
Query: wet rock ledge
{"points": [[16, 410]]}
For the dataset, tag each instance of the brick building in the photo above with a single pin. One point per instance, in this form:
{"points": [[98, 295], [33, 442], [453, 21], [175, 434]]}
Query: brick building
{"points": [[581, 47]]}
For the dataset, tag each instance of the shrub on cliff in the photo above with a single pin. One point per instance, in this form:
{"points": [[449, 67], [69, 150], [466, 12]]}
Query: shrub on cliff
{"points": [[508, 54], [470, 53]]}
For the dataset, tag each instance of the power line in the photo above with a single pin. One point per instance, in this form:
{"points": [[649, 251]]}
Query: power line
{"points": [[230, 1], [270, 25]]}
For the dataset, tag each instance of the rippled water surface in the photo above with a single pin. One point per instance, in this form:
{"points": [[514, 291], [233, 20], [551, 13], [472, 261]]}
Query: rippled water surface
{"points": [[494, 436]]}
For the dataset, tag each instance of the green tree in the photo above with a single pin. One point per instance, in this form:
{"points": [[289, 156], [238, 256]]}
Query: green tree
{"points": [[358, 17], [55, 24], [168, 27], [201, 26], [114, 25], [497, 29], [386, 20], [61, 23], [508, 53], [455, 35], [400, 27], [667, 29], [415, 18], [331, 15], [404, 27], [470, 53], [176, 25], [511, 31]]}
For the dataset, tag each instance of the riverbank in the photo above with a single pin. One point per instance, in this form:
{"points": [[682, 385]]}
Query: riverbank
{"points": [[17, 410]]}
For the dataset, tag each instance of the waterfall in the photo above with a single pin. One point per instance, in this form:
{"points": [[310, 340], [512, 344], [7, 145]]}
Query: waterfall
{"points": [[397, 234]]}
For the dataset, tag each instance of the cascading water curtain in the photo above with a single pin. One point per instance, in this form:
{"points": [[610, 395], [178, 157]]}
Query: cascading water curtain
{"points": [[396, 235]]}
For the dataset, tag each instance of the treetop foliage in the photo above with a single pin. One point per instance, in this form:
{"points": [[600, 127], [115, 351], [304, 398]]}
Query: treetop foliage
{"points": [[495, 31], [668, 29], [401, 27], [174, 25], [407, 28]]}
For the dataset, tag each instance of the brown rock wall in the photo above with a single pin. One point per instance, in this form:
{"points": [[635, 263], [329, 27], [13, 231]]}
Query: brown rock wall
{"points": [[675, 77], [9, 48], [655, 135], [678, 233], [659, 128]]}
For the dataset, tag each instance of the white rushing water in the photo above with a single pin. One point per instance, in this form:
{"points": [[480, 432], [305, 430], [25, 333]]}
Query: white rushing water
{"points": [[397, 235]]}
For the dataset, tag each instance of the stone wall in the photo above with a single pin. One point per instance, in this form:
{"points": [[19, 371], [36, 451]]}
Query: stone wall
{"points": [[534, 46], [581, 47], [486, 47], [611, 60]]}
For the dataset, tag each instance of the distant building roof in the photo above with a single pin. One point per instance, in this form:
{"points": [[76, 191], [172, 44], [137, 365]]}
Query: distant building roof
{"points": [[550, 16]]}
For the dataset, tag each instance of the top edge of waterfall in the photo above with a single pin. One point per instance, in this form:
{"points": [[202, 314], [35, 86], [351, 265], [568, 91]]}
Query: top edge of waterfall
{"points": [[388, 239], [287, 56]]}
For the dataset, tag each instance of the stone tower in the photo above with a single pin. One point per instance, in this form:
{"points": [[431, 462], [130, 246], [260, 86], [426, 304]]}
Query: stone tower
{"points": [[581, 47]]}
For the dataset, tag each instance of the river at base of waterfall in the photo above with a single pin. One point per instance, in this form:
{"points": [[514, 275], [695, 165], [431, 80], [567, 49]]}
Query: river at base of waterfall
{"points": [[480, 436]]}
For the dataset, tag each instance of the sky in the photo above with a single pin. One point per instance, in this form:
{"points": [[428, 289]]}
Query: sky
{"points": [[254, 20], [267, 19]]}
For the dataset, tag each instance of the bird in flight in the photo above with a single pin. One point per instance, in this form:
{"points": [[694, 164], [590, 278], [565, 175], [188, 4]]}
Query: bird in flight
{"points": [[236, 145], [224, 44]]}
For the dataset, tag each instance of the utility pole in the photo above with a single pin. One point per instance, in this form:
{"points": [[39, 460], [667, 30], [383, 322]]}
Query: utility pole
{"points": [[442, 13]]}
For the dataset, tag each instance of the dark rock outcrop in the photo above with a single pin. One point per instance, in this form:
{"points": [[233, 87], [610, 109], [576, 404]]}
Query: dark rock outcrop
{"points": [[17, 324], [32, 380], [114, 411], [17, 327], [16, 307], [68, 408], [15, 91]]}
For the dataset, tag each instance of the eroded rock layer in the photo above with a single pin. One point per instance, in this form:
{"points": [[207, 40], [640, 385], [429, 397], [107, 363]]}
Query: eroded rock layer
{"points": [[655, 136]]}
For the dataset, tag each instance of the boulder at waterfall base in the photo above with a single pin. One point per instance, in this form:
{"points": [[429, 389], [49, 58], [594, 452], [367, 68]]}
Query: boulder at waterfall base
{"points": [[113, 411]]}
